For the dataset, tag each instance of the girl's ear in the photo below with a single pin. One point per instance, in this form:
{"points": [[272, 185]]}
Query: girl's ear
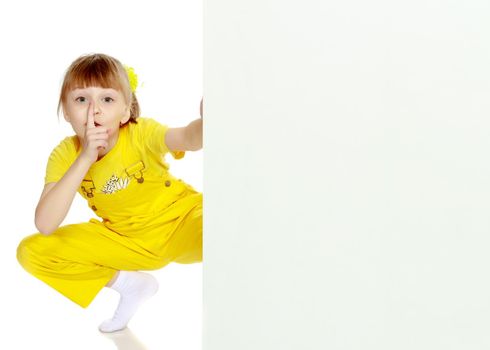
{"points": [[127, 115], [66, 116]]}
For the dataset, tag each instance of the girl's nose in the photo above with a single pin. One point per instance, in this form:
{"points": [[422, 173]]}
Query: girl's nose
{"points": [[96, 108]]}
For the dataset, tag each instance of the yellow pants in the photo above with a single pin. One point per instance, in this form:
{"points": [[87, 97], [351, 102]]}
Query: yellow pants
{"points": [[78, 260]]}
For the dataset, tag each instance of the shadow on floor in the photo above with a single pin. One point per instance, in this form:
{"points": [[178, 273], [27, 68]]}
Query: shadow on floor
{"points": [[125, 340]]}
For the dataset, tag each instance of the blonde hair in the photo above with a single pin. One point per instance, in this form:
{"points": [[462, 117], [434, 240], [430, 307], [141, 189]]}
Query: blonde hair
{"points": [[99, 70]]}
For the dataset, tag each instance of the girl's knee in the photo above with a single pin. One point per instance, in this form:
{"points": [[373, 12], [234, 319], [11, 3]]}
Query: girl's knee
{"points": [[28, 249], [23, 251]]}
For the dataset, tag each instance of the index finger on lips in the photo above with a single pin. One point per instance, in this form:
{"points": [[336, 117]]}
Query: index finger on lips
{"points": [[90, 116]]}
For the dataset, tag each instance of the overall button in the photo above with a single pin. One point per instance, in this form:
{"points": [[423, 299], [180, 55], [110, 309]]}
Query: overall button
{"points": [[167, 183], [94, 207]]}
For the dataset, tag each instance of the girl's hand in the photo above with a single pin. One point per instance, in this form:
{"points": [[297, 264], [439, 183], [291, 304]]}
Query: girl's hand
{"points": [[200, 107], [95, 138]]}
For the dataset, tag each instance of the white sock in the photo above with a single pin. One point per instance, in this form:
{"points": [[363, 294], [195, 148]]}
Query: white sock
{"points": [[135, 287]]}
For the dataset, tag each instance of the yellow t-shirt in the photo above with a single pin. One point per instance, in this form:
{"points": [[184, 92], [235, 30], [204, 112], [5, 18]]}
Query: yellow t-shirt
{"points": [[131, 179]]}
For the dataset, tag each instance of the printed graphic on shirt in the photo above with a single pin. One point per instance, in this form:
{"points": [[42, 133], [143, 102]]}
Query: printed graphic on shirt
{"points": [[115, 184]]}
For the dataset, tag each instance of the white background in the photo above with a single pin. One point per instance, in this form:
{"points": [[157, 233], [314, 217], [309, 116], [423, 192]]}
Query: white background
{"points": [[346, 169], [163, 42], [350, 143]]}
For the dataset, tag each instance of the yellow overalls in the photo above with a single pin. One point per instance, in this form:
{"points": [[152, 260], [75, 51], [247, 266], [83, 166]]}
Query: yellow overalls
{"points": [[148, 218]]}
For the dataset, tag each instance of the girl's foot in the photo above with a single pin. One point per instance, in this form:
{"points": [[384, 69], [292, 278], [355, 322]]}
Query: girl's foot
{"points": [[135, 287]]}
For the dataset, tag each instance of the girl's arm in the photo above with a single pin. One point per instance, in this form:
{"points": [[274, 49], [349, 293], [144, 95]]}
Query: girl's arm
{"points": [[188, 138], [56, 199]]}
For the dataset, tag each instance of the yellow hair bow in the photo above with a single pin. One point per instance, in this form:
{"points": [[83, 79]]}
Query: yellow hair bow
{"points": [[133, 78]]}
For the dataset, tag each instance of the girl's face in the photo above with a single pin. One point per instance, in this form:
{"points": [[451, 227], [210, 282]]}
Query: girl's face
{"points": [[110, 109]]}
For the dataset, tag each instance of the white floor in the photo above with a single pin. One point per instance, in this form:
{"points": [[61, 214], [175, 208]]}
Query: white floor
{"points": [[38, 317]]}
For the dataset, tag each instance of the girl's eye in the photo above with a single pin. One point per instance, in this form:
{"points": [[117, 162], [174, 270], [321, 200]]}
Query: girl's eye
{"points": [[84, 99]]}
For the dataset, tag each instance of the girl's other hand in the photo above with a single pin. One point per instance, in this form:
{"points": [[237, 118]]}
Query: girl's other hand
{"points": [[200, 107], [95, 138]]}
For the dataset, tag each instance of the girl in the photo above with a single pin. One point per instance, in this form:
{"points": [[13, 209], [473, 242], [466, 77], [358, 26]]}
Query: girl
{"points": [[148, 218]]}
